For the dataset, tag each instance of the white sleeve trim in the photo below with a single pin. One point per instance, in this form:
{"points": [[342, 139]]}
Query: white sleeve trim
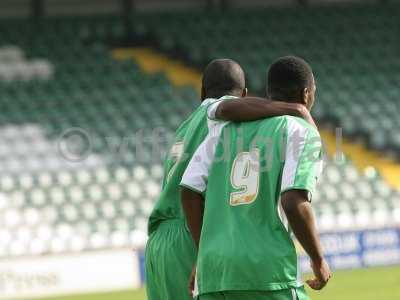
{"points": [[296, 137], [212, 109], [196, 173]]}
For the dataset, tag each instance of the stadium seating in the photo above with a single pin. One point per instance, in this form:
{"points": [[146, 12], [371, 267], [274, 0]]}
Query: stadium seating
{"points": [[353, 50], [50, 201], [65, 78], [348, 200]]}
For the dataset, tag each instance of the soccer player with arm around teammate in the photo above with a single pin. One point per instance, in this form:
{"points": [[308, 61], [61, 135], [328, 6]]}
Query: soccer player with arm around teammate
{"points": [[244, 245], [170, 253]]}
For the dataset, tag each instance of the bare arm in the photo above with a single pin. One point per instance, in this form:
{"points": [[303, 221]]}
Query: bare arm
{"points": [[253, 108], [301, 219], [193, 207]]}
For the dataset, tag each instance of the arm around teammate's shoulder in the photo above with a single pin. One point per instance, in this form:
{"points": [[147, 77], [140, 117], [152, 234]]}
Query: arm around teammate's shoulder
{"points": [[254, 108]]}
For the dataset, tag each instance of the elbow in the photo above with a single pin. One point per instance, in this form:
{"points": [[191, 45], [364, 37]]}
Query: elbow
{"points": [[222, 112], [225, 111]]}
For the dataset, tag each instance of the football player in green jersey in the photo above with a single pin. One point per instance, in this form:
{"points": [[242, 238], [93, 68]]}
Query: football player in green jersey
{"points": [[170, 252], [257, 177]]}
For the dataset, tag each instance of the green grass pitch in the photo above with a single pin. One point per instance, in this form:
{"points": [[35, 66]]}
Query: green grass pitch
{"points": [[366, 284]]}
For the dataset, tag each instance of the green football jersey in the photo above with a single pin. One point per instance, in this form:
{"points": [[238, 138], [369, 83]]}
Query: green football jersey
{"points": [[188, 137], [243, 169]]}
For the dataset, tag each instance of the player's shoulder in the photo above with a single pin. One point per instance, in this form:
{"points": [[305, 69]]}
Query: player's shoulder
{"points": [[294, 124], [182, 129], [291, 124], [198, 112], [207, 103], [210, 101]]}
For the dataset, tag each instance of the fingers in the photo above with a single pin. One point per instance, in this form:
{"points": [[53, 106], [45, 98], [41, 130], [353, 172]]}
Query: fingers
{"points": [[322, 275], [316, 284], [320, 281]]}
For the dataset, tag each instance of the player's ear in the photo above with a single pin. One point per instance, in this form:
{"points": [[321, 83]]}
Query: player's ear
{"points": [[244, 93], [305, 96]]}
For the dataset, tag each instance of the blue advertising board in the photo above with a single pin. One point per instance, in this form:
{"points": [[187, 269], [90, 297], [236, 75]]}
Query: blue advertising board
{"points": [[142, 267], [358, 249]]}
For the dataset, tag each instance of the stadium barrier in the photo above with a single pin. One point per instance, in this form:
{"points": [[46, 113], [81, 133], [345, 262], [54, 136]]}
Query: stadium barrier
{"points": [[54, 275], [359, 249], [114, 270], [350, 250]]}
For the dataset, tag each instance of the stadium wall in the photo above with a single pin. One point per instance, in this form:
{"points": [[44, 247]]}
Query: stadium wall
{"points": [[123, 269], [67, 274], [346, 250]]}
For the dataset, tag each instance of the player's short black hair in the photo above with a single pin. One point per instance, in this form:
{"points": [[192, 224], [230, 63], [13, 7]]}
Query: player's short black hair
{"points": [[223, 77], [288, 76]]}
